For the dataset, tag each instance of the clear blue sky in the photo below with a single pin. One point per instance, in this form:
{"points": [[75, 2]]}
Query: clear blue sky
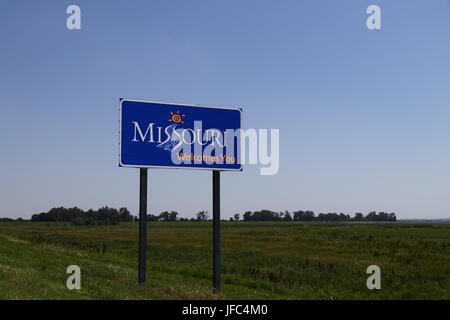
{"points": [[363, 115]]}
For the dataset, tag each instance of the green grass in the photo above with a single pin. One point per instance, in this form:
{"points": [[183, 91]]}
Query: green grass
{"points": [[259, 260]]}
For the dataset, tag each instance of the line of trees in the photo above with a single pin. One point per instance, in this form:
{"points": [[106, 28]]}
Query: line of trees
{"points": [[268, 215], [173, 216], [107, 215], [101, 216], [10, 219]]}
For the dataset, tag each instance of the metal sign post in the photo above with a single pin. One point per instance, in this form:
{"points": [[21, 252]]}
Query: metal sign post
{"points": [[216, 230], [143, 226]]}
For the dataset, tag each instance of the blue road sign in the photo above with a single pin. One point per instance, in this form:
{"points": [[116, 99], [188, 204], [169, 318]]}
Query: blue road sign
{"points": [[169, 135]]}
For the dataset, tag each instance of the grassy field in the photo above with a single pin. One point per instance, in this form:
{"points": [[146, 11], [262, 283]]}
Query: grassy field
{"points": [[259, 260]]}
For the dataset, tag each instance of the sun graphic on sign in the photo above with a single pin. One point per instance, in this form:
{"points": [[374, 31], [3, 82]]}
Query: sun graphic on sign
{"points": [[176, 117]]}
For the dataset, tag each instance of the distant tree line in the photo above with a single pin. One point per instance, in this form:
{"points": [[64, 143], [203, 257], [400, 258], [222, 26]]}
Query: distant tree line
{"points": [[173, 216], [107, 215], [268, 215], [10, 219], [77, 216]]}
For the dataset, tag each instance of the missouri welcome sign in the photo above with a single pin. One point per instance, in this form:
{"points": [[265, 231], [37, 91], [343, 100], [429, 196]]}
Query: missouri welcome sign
{"points": [[167, 135]]}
